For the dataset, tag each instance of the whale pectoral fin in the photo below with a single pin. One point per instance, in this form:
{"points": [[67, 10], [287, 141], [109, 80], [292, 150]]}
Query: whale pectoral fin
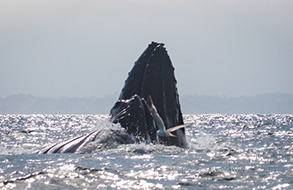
{"points": [[176, 128]]}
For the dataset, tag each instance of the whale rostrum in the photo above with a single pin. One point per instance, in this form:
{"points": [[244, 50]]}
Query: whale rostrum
{"points": [[152, 78], [148, 106]]}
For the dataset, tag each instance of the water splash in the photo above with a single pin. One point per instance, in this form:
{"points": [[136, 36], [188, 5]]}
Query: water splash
{"points": [[226, 151]]}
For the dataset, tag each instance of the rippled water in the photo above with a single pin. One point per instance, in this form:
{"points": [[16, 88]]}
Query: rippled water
{"points": [[225, 151]]}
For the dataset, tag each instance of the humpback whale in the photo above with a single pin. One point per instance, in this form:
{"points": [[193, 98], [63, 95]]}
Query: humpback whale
{"points": [[151, 76], [148, 106]]}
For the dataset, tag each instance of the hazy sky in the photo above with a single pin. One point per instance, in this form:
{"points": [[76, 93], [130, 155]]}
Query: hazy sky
{"points": [[83, 48]]}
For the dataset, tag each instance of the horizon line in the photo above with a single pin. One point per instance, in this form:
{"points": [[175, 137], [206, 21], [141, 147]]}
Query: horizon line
{"points": [[117, 94]]}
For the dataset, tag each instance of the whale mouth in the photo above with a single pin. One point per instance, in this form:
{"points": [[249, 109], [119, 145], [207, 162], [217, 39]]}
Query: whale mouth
{"points": [[151, 76], [148, 107]]}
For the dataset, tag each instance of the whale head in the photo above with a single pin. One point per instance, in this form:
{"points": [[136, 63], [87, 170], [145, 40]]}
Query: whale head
{"points": [[153, 76]]}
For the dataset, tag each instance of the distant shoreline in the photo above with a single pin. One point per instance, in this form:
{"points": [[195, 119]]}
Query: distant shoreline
{"points": [[272, 103]]}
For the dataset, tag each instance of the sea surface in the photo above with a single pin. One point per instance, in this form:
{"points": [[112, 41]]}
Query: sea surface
{"points": [[225, 152]]}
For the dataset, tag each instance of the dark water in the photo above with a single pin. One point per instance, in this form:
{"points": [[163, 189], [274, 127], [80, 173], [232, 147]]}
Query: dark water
{"points": [[225, 152]]}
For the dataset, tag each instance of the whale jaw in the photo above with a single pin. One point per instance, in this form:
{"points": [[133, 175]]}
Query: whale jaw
{"points": [[157, 121], [152, 76]]}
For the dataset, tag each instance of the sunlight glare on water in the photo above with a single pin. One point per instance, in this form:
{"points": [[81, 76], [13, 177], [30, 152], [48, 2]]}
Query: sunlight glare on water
{"points": [[225, 151]]}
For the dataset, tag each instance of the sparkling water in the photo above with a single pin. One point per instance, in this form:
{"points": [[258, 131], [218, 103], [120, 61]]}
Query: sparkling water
{"points": [[225, 152]]}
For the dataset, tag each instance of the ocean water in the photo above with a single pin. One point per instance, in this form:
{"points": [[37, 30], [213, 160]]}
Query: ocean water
{"points": [[225, 152]]}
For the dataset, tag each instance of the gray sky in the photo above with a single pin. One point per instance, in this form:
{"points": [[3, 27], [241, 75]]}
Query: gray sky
{"points": [[83, 48]]}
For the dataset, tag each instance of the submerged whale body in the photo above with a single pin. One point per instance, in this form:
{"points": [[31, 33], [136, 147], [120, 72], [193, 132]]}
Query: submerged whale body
{"points": [[148, 107]]}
